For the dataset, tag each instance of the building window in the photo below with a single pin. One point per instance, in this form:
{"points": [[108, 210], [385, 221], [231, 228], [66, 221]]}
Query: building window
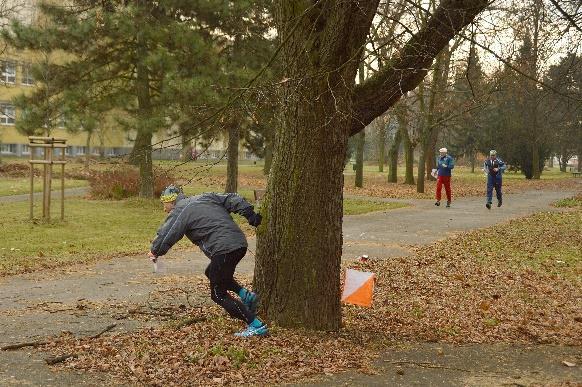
{"points": [[8, 72], [25, 149], [27, 78], [7, 114], [8, 148]]}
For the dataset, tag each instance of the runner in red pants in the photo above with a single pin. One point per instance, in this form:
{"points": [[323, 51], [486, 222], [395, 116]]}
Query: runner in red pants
{"points": [[444, 164]]}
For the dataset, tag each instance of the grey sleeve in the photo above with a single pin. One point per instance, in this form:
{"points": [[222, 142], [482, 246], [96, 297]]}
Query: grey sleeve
{"points": [[231, 202], [169, 233]]}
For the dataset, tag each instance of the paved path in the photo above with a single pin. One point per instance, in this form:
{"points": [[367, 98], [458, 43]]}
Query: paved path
{"points": [[37, 305], [55, 195]]}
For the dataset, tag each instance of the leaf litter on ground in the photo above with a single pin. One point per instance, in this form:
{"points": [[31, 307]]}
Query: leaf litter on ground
{"points": [[502, 284]]}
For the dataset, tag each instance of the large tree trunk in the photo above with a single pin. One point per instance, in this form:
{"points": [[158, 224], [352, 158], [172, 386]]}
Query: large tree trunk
{"points": [[393, 157], [297, 271], [360, 143], [232, 154]]}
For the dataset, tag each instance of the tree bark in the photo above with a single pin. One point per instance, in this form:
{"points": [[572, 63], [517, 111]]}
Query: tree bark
{"points": [[360, 143], [268, 156], [88, 146], [143, 142], [297, 270], [232, 153], [381, 146], [186, 146], [393, 157], [408, 145]]}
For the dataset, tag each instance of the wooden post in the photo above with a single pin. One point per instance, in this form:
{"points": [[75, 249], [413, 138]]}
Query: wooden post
{"points": [[49, 144], [31, 151], [49, 180], [44, 183], [63, 184]]}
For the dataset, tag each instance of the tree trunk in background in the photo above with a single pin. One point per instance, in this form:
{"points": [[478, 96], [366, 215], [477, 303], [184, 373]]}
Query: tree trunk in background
{"points": [[232, 154], [186, 147], [393, 157], [536, 168], [402, 116], [421, 165], [143, 151], [88, 146], [473, 161], [360, 142], [143, 141], [381, 147], [299, 244], [431, 157]]}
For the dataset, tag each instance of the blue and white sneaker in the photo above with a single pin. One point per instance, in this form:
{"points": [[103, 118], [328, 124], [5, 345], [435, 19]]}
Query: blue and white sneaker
{"points": [[253, 331], [249, 299]]}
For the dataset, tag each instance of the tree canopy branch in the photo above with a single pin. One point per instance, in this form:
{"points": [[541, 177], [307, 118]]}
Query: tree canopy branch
{"points": [[403, 73]]}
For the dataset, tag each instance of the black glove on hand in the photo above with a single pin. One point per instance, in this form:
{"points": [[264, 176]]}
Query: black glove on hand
{"points": [[255, 219]]}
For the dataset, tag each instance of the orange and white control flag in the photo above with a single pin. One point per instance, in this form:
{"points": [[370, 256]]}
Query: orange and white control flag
{"points": [[358, 287]]}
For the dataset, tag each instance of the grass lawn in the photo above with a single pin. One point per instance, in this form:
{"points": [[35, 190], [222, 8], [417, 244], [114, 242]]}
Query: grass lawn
{"points": [[21, 185], [98, 229]]}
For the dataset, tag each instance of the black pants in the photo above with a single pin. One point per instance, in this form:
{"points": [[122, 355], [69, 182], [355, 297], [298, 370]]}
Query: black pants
{"points": [[220, 272]]}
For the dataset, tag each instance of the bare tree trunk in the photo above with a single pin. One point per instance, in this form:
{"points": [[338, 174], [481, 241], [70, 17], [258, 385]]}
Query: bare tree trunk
{"points": [[143, 142], [232, 162], [360, 142], [393, 157], [381, 146], [402, 116], [186, 146], [430, 159], [421, 165], [88, 146], [473, 161], [536, 174]]}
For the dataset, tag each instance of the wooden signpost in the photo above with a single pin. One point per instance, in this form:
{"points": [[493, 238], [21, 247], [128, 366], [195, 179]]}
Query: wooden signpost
{"points": [[48, 144]]}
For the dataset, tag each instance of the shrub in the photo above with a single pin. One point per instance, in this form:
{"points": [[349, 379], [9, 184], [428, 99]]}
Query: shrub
{"points": [[122, 182]]}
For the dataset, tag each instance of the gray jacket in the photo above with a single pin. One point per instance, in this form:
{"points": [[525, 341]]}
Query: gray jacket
{"points": [[205, 220]]}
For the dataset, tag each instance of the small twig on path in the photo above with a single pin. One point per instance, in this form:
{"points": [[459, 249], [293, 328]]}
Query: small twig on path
{"points": [[427, 365], [59, 359], [22, 345], [107, 329], [39, 343]]}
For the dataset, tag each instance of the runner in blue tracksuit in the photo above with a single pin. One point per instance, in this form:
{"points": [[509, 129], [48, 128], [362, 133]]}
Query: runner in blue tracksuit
{"points": [[494, 168]]}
